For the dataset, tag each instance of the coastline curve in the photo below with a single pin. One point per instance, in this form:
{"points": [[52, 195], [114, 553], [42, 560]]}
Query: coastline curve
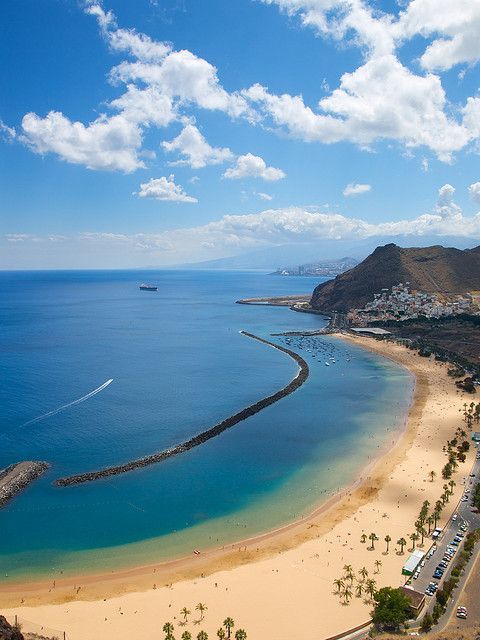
{"points": [[206, 435]]}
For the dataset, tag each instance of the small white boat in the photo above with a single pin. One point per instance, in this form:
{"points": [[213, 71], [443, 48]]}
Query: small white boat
{"points": [[327, 364]]}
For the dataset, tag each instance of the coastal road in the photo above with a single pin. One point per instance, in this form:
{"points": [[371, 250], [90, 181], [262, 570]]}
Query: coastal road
{"points": [[472, 521], [469, 597]]}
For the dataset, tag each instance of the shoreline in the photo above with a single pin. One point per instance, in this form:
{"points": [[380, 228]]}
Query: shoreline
{"points": [[386, 483], [213, 554]]}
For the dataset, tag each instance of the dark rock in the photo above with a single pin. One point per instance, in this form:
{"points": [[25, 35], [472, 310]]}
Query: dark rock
{"points": [[7, 632]]}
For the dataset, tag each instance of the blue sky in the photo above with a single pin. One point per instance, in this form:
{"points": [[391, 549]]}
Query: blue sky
{"points": [[167, 131]]}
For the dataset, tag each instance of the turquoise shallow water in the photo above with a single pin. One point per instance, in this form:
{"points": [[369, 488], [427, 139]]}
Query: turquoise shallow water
{"points": [[178, 366]]}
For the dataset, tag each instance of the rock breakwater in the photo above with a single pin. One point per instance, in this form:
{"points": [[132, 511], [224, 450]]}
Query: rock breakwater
{"points": [[16, 477], [199, 439]]}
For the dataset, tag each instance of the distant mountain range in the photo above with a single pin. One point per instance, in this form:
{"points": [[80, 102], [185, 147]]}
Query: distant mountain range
{"points": [[433, 269], [270, 258]]}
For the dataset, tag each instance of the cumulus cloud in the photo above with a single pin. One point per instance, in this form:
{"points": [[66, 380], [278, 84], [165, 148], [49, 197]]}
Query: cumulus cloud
{"points": [[456, 28], [107, 143], [381, 99], [446, 208], [250, 166], [356, 189], [474, 191], [196, 151], [160, 84], [183, 76], [164, 189]]}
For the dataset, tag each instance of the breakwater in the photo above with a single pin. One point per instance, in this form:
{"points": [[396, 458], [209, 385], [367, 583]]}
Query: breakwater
{"points": [[16, 477], [199, 439]]}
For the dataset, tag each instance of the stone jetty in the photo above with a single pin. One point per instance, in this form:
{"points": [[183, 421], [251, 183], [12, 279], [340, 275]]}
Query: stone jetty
{"points": [[16, 477], [199, 439]]}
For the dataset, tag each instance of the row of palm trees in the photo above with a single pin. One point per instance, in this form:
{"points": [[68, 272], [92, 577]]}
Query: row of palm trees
{"points": [[224, 632]]}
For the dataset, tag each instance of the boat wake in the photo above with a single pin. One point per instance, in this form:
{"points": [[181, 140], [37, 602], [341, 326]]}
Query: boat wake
{"points": [[70, 404]]}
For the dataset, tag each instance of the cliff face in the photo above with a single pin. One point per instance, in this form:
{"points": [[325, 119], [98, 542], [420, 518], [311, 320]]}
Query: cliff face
{"points": [[430, 269]]}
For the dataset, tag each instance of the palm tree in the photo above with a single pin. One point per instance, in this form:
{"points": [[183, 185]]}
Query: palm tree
{"points": [[430, 521], [350, 576], [339, 584], [447, 492], [359, 589], [185, 613], [433, 475], [387, 539], [363, 538], [363, 572], [186, 635], [452, 484], [240, 634], [347, 568], [228, 623], [372, 537], [221, 634], [413, 537], [203, 635], [378, 564], [168, 628], [371, 587], [402, 542], [347, 594], [202, 608]]}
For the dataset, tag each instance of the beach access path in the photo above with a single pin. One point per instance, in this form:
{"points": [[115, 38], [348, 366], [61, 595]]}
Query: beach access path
{"points": [[279, 585]]}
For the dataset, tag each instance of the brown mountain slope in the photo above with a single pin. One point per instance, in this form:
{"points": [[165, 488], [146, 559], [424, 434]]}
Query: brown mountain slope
{"points": [[431, 269]]}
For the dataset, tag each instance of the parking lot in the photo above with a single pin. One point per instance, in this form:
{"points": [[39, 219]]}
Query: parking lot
{"points": [[441, 554]]}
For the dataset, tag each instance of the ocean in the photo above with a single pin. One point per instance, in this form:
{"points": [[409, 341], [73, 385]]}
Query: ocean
{"points": [[96, 372]]}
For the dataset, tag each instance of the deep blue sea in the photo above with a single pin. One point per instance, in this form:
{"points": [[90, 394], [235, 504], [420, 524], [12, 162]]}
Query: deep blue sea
{"points": [[178, 365]]}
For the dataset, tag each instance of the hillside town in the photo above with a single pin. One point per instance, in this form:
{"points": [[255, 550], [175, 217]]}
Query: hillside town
{"points": [[402, 303]]}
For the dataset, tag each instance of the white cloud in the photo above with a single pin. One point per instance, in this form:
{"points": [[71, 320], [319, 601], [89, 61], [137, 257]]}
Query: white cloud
{"points": [[196, 151], [145, 106], [184, 76], [456, 26], [474, 191], [339, 18], [136, 44], [264, 196], [446, 208], [250, 166], [380, 100], [355, 189], [471, 117], [234, 234], [164, 189], [6, 132], [107, 143]]}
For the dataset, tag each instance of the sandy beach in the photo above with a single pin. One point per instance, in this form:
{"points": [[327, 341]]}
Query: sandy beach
{"points": [[278, 585]]}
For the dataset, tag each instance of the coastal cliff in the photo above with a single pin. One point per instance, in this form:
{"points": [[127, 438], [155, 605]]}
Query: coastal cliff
{"points": [[430, 269]]}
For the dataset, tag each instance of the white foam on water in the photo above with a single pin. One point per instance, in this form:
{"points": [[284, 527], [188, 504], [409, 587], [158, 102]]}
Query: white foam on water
{"points": [[70, 404]]}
